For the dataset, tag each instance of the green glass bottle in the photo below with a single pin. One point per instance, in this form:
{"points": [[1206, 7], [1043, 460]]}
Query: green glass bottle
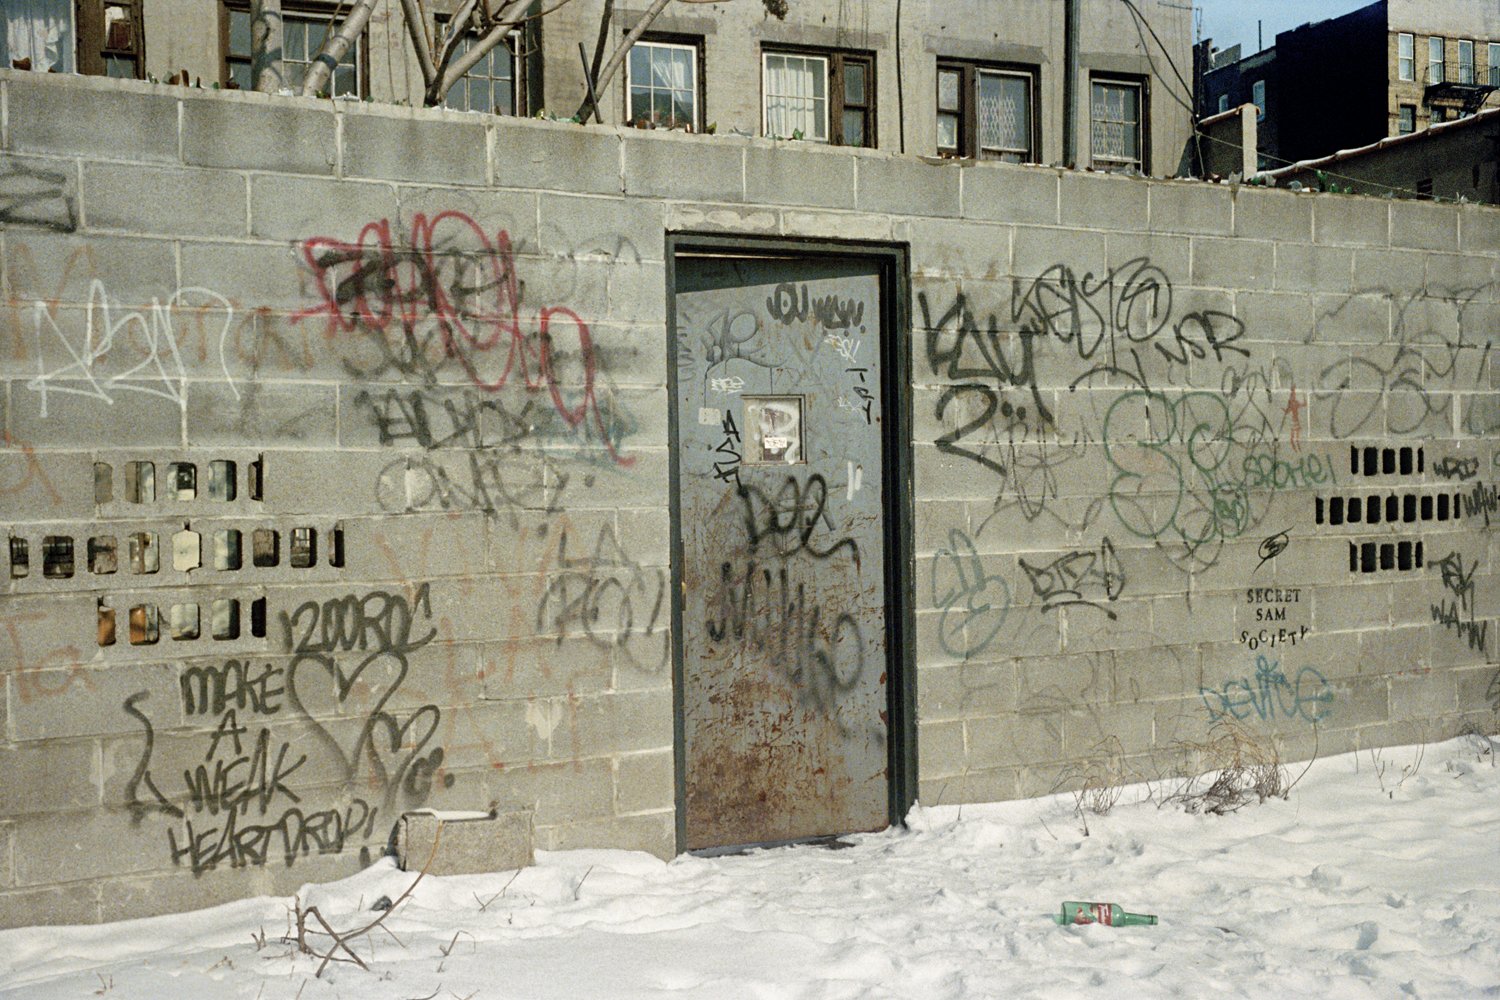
{"points": [[1109, 914]]}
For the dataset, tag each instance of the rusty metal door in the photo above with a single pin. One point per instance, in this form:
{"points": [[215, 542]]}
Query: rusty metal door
{"points": [[781, 548]]}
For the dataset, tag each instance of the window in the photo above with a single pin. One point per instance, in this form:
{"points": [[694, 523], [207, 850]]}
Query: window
{"points": [[1494, 64], [303, 32], [1118, 139], [1406, 119], [825, 97], [1258, 98], [1406, 57], [986, 113], [1223, 103], [1465, 61], [1434, 60], [99, 37], [662, 85], [490, 84]]}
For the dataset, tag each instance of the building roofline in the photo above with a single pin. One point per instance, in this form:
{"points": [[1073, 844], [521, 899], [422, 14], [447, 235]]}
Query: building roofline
{"points": [[1389, 142]]}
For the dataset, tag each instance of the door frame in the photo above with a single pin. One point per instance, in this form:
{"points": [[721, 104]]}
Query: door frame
{"points": [[893, 263]]}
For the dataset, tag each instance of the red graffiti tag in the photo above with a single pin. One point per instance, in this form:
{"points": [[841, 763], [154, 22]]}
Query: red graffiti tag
{"points": [[451, 278]]}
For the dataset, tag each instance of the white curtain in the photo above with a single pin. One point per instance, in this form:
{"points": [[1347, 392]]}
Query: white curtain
{"points": [[797, 97], [39, 30]]}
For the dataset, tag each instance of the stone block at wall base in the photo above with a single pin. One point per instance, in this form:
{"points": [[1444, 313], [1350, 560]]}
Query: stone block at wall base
{"points": [[430, 842]]}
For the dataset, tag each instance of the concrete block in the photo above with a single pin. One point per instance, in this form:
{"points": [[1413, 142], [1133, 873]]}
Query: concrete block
{"points": [[67, 269], [1478, 688], [993, 784], [294, 209], [1169, 253], [1303, 267], [90, 702], [1006, 193], [652, 833], [1461, 277], [373, 482], [871, 226], [263, 277], [1206, 618], [1156, 673], [1478, 229], [80, 413], [1424, 695], [940, 749], [463, 845], [380, 143], [546, 667], [42, 192], [1358, 221], [946, 251], [1052, 684], [50, 777], [1265, 214], [70, 847], [645, 782], [614, 723], [903, 186], [252, 132], [556, 157], [264, 413], [1013, 740], [686, 167], [567, 792], [1190, 207], [76, 903], [1037, 250], [1400, 273], [174, 202], [470, 222], [1362, 605], [1105, 730], [1395, 651], [809, 175], [684, 217], [1351, 319], [602, 227], [1238, 264], [1357, 701], [1100, 201], [489, 738], [181, 892], [48, 118], [1423, 226]]}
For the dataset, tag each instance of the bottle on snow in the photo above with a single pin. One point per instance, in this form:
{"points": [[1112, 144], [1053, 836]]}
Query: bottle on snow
{"points": [[1109, 914]]}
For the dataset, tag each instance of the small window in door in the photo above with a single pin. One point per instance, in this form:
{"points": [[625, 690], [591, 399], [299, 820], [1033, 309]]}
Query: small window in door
{"points": [[773, 430]]}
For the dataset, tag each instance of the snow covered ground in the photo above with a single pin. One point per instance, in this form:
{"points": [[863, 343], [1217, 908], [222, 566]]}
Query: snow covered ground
{"points": [[1379, 877]]}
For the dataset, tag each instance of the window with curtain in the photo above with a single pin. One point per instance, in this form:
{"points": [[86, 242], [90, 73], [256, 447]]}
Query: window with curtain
{"points": [[1465, 61], [1434, 60], [796, 92], [1115, 125], [986, 112], [1406, 119], [39, 35], [1406, 57], [662, 85]]}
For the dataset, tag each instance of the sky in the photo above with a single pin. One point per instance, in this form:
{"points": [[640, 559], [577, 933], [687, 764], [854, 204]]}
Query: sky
{"points": [[1230, 21]]}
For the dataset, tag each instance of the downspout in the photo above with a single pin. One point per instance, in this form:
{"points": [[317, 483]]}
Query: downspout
{"points": [[1070, 84]]}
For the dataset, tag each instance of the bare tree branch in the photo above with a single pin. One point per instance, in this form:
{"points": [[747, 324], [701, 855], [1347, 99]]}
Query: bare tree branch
{"points": [[336, 46], [416, 29], [618, 56]]}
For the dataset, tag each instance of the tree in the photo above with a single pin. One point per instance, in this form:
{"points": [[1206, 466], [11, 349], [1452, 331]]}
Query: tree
{"points": [[441, 56]]}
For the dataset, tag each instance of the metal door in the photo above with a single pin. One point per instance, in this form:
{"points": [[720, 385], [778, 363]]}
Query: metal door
{"points": [[781, 548]]}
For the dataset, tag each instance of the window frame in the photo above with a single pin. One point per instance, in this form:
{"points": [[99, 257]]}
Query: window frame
{"points": [[1142, 124], [1258, 98], [694, 45], [1408, 59], [90, 52], [1437, 69], [301, 11], [967, 112], [835, 97], [1462, 69], [1410, 112], [515, 44], [1493, 52]]}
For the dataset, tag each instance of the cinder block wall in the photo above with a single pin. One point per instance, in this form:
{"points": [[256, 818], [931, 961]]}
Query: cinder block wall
{"points": [[1144, 414]]}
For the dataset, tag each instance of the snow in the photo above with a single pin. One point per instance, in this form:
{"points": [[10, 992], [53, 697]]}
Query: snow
{"points": [[1378, 877]]}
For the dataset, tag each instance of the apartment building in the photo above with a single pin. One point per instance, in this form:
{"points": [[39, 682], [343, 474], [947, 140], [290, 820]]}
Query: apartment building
{"points": [[969, 78]]}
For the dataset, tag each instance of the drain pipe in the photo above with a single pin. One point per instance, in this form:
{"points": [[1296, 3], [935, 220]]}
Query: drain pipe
{"points": [[1070, 83]]}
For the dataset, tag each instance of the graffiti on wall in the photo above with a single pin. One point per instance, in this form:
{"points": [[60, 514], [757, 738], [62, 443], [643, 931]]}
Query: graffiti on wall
{"points": [[245, 801]]}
